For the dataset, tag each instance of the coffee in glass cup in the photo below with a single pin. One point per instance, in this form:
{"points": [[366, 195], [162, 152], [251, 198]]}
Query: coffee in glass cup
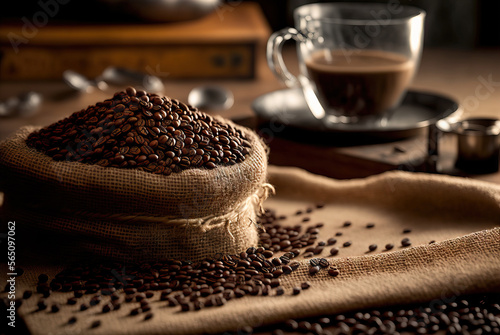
{"points": [[356, 60]]}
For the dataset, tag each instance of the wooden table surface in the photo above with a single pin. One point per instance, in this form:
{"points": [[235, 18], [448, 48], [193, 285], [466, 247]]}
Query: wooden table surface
{"points": [[472, 77]]}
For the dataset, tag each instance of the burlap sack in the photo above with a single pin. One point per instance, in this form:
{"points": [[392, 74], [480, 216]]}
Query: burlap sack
{"points": [[461, 215], [125, 214]]}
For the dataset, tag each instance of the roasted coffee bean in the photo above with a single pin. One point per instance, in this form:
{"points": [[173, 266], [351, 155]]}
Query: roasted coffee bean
{"points": [[27, 294], [305, 285], [294, 265], [347, 244], [334, 251], [268, 254], [331, 241], [389, 246], [406, 231], [296, 290], [41, 305], [323, 263], [55, 308], [333, 272], [339, 233], [308, 254], [347, 224], [405, 242], [318, 250], [95, 324], [286, 269], [107, 308], [280, 291], [370, 225], [313, 270], [43, 278], [291, 325], [314, 261], [372, 247], [251, 250]]}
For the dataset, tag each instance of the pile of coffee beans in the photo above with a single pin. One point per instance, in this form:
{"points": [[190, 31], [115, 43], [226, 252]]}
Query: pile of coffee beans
{"points": [[277, 237], [473, 314], [136, 129], [192, 286]]}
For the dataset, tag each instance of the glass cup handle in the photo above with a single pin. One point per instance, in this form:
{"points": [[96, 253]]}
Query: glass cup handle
{"points": [[275, 57]]}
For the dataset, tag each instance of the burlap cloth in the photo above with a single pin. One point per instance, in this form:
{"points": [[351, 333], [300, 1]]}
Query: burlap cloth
{"points": [[131, 215], [461, 215]]}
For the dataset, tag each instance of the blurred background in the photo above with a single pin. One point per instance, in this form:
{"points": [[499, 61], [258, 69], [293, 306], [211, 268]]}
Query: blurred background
{"points": [[450, 23]]}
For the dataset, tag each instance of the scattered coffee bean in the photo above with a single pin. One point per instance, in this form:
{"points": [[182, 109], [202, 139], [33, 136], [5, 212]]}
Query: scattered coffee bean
{"points": [[370, 225], [95, 324], [334, 251], [323, 263], [372, 247], [148, 316], [406, 231], [331, 241], [413, 319], [55, 308], [313, 270], [43, 278], [347, 224], [314, 261], [347, 244], [41, 305], [339, 233], [405, 242], [27, 294], [333, 272], [107, 308], [389, 246], [305, 285], [296, 290]]}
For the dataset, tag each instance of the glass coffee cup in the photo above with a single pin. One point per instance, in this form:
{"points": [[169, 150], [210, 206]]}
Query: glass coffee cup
{"points": [[356, 59]]}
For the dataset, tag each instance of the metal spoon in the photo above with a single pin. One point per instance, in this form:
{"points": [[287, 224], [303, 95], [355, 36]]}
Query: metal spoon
{"points": [[113, 75], [24, 105], [80, 83], [211, 98], [121, 76]]}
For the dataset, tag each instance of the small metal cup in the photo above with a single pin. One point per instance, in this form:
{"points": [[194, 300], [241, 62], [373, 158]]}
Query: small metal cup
{"points": [[478, 145]]}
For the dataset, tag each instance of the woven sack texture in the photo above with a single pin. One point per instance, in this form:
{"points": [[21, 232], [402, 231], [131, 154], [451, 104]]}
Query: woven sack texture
{"points": [[127, 214]]}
